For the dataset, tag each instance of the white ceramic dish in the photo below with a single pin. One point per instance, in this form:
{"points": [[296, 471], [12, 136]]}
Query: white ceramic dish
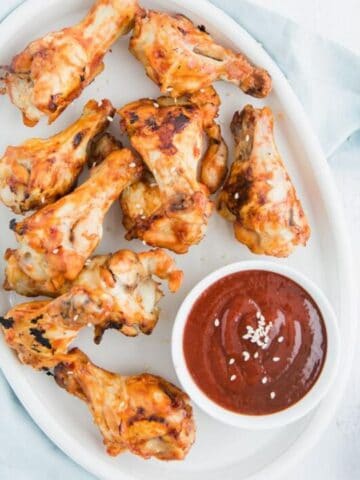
{"points": [[294, 412], [220, 451]]}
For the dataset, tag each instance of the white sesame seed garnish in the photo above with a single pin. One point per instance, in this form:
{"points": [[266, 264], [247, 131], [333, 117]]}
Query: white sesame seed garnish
{"points": [[202, 90], [55, 251], [237, 195], [87, 263], [247, 138], [100, 103], [156, 105], [258, 314], [142, 217], [76, 317], [89, 325], [70, 373], [144, 243], [42, 199], [152, 185], [232, 378], [138, 205], [231, 361], [272, 395], [169, 89], [258, 335], [246, 356], [216, 322], [110, 119], [256, 355], [132, 165], [276, 359], [264, 380], [280, 339]]}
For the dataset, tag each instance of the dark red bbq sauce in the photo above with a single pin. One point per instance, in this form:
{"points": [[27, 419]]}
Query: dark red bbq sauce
{"points": [[283, 351]]}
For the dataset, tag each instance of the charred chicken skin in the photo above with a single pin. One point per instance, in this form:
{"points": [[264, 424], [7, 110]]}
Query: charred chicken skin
{"points": [[143, 414], [56, 241], [182, 58], [258, 196], [113, 291], [170, 207], [52, 71], [39, 171]]}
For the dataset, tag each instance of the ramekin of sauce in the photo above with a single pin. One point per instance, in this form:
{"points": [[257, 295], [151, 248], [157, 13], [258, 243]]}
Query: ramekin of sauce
{"points": [[256, 344]]}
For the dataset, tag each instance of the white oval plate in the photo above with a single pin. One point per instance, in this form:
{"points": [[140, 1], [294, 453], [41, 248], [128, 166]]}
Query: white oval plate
{"points": [[220, 451]]}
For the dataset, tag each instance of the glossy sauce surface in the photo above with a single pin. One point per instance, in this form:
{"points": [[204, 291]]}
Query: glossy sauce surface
{"points": [[255, 342]]}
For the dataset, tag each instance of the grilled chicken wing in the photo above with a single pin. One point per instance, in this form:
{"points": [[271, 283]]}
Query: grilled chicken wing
{"points": [[52, 71], [144, 413], [113, 291], [182, 58], [258, 195], [39, 171], [56, 241], [170, 208]]}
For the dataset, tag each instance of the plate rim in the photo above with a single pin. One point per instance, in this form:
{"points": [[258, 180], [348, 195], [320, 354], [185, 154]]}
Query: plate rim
{"points": [[326, 182]]}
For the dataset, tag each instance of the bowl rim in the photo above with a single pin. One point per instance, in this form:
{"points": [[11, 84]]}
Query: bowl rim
{"points": [[273, 420]]}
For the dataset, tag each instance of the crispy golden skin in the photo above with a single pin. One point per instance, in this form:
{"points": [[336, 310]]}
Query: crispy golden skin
{"points": [[113, 291], [143, 413], [56, 241], [182, 58], [52, 71], [39, 171], [170, 208], [258, 195]]}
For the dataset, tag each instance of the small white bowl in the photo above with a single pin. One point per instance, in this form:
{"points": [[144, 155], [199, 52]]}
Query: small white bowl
{"points": [[295, 411]]}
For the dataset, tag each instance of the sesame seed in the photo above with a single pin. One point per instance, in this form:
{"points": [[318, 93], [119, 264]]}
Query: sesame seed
{"points": [[237, 195], [246, 356], [232, 378], [231, 361], [87, 263], [89, 325], [264, 380], [42, 199], [247, 138], [216, 322], [100, 103], [138, 205], [110, 119], [152, 185], [272, 395], [276, 359], [70, 373], [258, 314], [202, 90], [132, 165], [280, 339], [169, 89], [55, 251], [144, 243], [156, 105], [143, 217], [256, 354], [76, 317]]}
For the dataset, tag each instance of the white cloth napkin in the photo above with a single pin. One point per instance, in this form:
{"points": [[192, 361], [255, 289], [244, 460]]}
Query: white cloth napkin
{"points": [[326, 78]]}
